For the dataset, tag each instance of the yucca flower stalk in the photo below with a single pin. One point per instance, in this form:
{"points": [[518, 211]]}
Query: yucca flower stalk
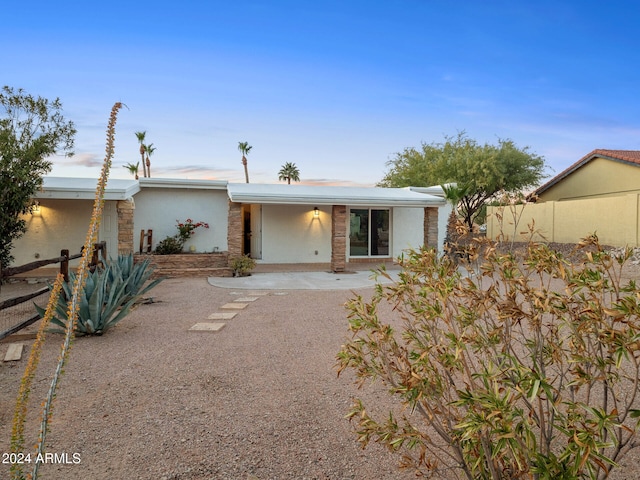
{"points": [[72, 312], [20, 414]]}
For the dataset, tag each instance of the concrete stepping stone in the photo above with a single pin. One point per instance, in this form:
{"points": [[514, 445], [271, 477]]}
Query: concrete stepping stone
{"points": [[246, 299], [234, 306], [222, 315], [14, 352], [207, 327]]}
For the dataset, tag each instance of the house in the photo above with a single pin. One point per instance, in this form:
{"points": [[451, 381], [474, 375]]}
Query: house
{"points": [[601, 173], [271, 223], [600, 193]]}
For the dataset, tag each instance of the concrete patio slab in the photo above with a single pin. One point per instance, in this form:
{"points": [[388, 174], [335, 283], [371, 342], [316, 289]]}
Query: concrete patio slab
{"points": [[301, 281]]}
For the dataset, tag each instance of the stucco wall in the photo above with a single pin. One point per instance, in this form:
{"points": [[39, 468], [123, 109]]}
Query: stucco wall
{"points": [[615, 220], [291, 234], [61, 224], [598, 178], [407, 229], [159, 209]]}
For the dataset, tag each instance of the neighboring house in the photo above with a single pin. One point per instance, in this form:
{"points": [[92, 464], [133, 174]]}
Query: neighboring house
{"points": [[600, 193], [272, 223], [601, 173]]}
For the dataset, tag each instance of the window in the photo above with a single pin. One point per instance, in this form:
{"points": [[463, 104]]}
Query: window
{"points": [[369, 232]]}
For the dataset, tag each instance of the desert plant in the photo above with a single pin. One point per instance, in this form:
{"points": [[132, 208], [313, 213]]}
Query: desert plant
{"points": [[135, 275], [242, 265], [17, 471], [103, 303], [526, 368]]}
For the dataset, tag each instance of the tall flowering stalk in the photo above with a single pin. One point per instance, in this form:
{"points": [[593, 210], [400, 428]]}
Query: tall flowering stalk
{"points": [[20, 414], [72, 313]]}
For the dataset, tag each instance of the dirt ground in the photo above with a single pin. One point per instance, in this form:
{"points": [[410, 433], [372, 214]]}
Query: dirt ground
{"points": [[257, 400]]}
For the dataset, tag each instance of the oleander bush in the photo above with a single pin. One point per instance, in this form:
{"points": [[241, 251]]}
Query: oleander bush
{"points": [[509, 368]]}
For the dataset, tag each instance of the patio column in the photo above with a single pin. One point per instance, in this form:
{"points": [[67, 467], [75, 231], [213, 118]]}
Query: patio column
{"points": [[431, 227], [125, 209], [234, 230], [338, 238]]}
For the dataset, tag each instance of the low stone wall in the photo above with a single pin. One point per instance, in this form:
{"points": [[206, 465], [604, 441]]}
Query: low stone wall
{"points": [[191, 264]]}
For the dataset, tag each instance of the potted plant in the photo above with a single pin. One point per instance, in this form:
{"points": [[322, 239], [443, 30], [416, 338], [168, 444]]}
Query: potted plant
{"points": [[242, 265]]}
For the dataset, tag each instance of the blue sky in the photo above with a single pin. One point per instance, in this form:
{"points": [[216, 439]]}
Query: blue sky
{"points": [[336, 87]]}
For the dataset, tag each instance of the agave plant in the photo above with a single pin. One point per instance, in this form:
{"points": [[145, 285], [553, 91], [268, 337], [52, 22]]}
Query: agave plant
{"points": [[107, 297], [135, 275]]}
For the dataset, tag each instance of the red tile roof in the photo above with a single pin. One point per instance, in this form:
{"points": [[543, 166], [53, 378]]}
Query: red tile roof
{"points": [[627, 156]]}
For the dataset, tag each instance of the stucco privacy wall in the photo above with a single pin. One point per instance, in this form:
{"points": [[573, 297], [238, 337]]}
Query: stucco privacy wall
{"points": [[60, 224], [292, 234], [159, 209], [616, 220]]}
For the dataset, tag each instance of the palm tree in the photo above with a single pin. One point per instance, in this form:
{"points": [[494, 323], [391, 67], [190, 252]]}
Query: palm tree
{"points": [[140, 136], [133, 169], [245, 148], [289, 172], [149, 149]]}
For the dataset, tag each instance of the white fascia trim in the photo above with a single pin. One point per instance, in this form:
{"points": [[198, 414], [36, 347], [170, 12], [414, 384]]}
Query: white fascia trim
{"points": [[64, 193], [426, 201], [183, 183]]}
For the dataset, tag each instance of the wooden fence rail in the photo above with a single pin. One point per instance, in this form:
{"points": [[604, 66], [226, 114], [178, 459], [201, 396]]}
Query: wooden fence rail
{"points": [[99, 251]]}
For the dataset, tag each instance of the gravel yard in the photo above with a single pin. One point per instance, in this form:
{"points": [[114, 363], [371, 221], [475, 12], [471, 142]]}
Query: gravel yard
{"points": [[257, 400]]}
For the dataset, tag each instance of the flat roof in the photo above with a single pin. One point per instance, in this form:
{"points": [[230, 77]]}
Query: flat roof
{"points": [[285, 194], [68, 188]]}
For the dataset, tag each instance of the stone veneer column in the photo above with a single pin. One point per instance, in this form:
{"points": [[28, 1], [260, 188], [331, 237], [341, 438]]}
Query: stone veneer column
{"points": [[125, 209], [234, 230], [338, 238], [431, 227]]}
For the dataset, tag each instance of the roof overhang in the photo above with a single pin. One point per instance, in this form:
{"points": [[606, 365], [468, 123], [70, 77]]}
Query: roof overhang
{"points": [[285, 194], [183, 183], [66, 188]]}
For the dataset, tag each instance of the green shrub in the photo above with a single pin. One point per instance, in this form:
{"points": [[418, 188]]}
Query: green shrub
{"points": [[522, 368], [170, 246], [107, 296], [242, 265]]}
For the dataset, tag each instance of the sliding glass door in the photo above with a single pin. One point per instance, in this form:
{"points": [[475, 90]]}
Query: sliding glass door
{"points": [[369, 232]]}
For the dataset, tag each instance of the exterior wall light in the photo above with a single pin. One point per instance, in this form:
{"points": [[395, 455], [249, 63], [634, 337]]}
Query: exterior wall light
{"points": [[35, 209], [316, 212]]}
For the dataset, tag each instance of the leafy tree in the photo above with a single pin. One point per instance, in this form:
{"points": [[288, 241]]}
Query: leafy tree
{"points": [[480, 170], [288, 172], [31, 130], [245, 148]]}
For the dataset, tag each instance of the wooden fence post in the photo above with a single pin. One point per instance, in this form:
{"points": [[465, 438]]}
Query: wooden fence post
{"points": [[64, 264]]}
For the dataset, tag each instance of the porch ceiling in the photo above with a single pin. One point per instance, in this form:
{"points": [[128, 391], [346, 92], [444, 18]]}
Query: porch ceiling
{"points": [[284, 194]]}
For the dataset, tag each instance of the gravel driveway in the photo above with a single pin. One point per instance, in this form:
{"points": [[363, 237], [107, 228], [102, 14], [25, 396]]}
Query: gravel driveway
{"points": [[257, 400]]}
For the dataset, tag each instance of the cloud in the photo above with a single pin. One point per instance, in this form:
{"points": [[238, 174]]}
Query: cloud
{"points": [[332, 182], [83, 160], [194, 171]]}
